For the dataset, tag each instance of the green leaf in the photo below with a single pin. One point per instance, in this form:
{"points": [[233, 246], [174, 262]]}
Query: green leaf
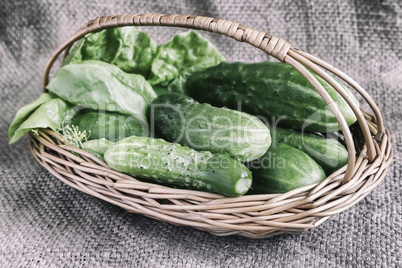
{"points": [[50, 114], [75, 53], [186, 52], [178, 84], [102, 86], [135, 52], [126, 47], [26, 111]]}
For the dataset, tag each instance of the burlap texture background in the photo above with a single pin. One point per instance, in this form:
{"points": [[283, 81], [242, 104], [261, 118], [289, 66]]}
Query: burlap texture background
{"points": [[45, 223]]}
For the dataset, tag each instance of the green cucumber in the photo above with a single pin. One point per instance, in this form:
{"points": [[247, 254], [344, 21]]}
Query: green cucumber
{"points": [[178, 118], [284, 168], [109, 125], [273, 90], [173, 164], [97, 147], [329, 153]]}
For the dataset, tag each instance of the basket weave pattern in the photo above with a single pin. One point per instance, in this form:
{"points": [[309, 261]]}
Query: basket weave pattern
{"points": [[254, 216]]}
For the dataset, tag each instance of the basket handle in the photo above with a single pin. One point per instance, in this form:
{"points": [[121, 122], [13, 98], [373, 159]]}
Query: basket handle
{"points": [[274, 46]]}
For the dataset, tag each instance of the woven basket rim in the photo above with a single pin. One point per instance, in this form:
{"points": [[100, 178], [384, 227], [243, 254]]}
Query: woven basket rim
{"points": [[254, 216]]}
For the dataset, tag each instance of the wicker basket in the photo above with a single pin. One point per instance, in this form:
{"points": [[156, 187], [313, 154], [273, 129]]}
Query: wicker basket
{"points": [[254, 216]]}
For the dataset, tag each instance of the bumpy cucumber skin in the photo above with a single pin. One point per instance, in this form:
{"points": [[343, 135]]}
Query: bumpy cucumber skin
{"points": [[178, 118], [173, 164], [285, 168], [109, 125], [273, 90], [330, 154]]}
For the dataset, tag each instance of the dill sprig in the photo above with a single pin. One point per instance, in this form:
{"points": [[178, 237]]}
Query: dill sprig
{"points": [[74, 136], [35, 131]]}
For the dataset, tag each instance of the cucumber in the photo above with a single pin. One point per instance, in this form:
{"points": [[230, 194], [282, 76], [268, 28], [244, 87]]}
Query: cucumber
{"points": [[284, 168], [329, 153], [178, 118], [97, 147], [273, 90], [172, 164], [109, 125]]}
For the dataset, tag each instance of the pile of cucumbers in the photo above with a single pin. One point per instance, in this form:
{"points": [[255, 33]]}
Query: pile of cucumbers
{"points": [[272, 146], [229, 128]]}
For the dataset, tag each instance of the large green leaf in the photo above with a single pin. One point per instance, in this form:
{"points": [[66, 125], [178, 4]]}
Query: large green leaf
{"points": [[102, 86], [26, 111], [184, 53], [51, 114], [126, 47]]}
